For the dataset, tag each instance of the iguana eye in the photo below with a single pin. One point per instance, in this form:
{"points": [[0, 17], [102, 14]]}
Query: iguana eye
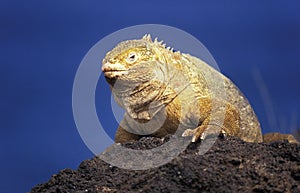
{"points": [[132, 57]]}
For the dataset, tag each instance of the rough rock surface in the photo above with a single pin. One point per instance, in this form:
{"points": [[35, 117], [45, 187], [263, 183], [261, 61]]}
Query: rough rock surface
{"points": [[231, 165]]}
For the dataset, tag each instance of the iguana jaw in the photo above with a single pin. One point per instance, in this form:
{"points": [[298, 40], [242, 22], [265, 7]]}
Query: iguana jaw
{"points": [[113, 70]]}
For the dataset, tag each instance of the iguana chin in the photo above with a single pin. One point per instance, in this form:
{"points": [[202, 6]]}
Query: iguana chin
{"points": [[162, 90]]}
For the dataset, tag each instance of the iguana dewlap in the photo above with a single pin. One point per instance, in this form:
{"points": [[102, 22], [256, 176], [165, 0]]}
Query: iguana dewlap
{"points": [[162, 90]]}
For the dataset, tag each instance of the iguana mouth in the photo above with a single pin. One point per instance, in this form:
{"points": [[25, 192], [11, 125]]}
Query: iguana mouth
{"points": [[113, 70], [114, 73]]}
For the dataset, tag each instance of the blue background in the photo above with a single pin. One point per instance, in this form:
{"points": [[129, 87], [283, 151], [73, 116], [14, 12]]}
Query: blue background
{"points": [[43, 42]]}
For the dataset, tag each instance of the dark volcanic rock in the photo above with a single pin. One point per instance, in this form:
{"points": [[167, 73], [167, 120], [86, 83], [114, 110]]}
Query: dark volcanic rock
{"points": [[231, 165]]}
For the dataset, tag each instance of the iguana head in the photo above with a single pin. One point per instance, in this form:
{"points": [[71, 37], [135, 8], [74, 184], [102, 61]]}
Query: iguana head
{"points": [[125, 57]]}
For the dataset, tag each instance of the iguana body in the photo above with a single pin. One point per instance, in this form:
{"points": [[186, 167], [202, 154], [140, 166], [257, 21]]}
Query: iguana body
{"points": [[162, 90]]}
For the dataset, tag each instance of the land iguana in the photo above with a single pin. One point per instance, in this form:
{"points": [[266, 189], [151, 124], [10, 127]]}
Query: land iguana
{"points": [[162, 90]]}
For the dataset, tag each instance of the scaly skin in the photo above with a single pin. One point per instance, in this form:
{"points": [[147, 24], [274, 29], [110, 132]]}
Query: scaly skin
{"points": [[164, 92]]}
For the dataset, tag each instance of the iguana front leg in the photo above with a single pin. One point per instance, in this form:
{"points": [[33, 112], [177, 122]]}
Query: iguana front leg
{"points": [[221, 117]]}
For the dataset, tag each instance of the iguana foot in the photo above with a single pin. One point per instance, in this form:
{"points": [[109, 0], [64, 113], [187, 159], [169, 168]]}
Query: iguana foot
{"points": [[203, 131]]}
